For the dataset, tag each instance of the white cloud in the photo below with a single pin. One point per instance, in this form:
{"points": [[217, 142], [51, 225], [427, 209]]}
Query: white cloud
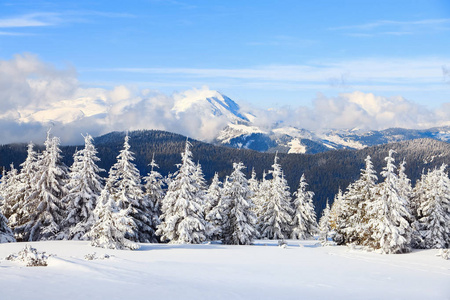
{"points": [[35, 96]]}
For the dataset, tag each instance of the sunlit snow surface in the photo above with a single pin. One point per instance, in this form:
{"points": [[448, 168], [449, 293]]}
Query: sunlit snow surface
{"points": [[304, 270]]}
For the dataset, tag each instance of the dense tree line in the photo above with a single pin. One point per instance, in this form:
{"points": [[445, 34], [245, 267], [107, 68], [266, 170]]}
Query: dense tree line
{"points": [[326, 172], [391, 216], [47, 200]]}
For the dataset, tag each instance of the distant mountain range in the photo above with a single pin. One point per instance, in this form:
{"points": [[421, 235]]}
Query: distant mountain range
{"points": [[209, 116]]}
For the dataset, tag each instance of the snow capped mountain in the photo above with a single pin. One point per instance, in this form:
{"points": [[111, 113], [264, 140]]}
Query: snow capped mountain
{"points": [[209, 101], [202, 114]]}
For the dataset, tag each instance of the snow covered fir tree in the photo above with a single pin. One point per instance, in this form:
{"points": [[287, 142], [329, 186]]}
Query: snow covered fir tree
{"points": [[275, 220], [46, 211], [45, 200], [84, 188], [304, 221], [238, 223], [182, 218]]}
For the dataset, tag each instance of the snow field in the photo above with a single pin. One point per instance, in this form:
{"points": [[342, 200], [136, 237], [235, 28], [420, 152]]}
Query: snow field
{"points": [[304, 270]]}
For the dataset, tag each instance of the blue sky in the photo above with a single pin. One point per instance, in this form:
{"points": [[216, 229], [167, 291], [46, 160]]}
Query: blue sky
{"points": [[266, 53]]}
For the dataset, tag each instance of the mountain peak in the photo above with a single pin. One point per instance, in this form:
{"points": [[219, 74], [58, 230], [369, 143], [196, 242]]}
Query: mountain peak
{"points": [[209, 100]]}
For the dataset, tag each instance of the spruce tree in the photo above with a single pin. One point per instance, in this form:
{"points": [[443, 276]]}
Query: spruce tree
{"points": [[238, 227], [10, 188], [47, 211], [276, 218], [24, 204], [304, 222], [182, 219], [125, 188], [112, 225], [153, 196], [389, 213], [353, 216], [85, 186], [324, 224], [434, 210], [213, 208]]}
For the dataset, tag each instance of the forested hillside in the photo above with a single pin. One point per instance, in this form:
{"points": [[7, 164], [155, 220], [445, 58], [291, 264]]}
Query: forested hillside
{"points": [[325, 172]]}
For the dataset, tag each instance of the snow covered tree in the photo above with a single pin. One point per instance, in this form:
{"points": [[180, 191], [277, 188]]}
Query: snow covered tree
{"points": [[389, 213], [182, 219], [112, 225], [324, 224], [260, 199], [353, 219], [304, 222], [212, 208], [238, 226], [125, 188], [153, 196], [22, 209], [434, 209], [11, 185], [275, 221], [47, 211], [6, 234], [85, 186]]}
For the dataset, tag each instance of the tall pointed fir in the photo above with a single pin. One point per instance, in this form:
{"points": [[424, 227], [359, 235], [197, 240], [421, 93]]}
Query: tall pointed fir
{"points": [[304, 222], [212, 208], [125, 188], [324, 224], [85, 186], [389, 213], [335, 210], [112, 225], [353, 215], [47, 211], [24, 205], [10, 188], [153, 193], [238, 227], [260, 199], [275, 221], [182, 219], [434, 209]]}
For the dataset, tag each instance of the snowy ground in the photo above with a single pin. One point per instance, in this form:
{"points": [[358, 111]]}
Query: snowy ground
{"points": [[263, 271]]}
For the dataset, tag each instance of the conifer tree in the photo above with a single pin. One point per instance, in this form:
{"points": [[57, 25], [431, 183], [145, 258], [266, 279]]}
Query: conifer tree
{"points": [[353, 216], [434, 209], [47, 211], [24, 205], [260, 200], [276, 218], [389, 213], [304, 222], [153, 196], [125, 188], [182, 219], [112, 225], [10, 189], [324, 224], [238, 227], [85, 186], [213, 208]]}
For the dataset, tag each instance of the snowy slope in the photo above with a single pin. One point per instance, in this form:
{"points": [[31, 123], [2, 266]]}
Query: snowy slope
{"points": [[303, 270]]}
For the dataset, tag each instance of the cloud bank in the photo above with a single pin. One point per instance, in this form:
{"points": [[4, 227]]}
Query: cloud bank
{"points": [[35, 96]]}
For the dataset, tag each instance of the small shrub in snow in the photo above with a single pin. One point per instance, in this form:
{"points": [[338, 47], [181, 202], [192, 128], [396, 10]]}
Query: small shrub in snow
{"points": [[93, 256], [444, 253], [30, 256]]}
